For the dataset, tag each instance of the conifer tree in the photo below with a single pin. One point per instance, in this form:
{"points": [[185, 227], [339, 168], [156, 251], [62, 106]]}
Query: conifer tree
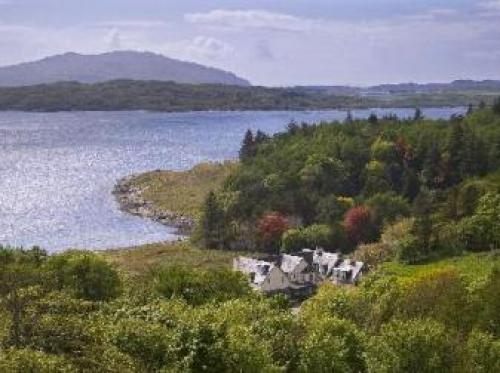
{"points": [[455, 149], [373, 119], [496, 106], [418, 114], [247, 149], [212, 222]]}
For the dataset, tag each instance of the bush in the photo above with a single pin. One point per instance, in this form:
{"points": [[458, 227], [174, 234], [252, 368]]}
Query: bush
{"points": [[482, 353], [85, 275], [372, 254], [410, 250], [197, 286], [311, 237], [147, 342], [27, 361], [481, 231], [412, 346], [332, 345]]}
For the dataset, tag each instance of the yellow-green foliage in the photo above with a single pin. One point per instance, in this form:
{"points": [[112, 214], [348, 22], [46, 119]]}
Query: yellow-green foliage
{"points": [[182, 191], [138, 260], [474, 268]]}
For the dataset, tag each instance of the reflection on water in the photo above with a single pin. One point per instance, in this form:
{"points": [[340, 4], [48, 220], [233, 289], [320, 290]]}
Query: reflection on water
{"points": [[57, 170]]}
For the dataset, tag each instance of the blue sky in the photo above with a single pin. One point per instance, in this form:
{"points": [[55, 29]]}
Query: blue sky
{"points": [[272, 42]]}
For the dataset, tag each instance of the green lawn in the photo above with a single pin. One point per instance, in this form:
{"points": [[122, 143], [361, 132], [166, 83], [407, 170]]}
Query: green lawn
{"points": [[473, 267], [182, 191], [138, 260]]}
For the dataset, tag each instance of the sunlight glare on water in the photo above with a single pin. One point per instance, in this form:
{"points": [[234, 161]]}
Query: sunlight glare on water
{"points": [[57, 170]]}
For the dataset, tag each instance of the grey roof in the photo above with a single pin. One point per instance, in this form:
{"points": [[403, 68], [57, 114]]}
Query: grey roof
{"points": [[352, 266], [323, 258], [290, 262], [259, 268]]}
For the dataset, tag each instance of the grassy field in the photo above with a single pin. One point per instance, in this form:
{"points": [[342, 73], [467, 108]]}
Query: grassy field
{"points": [[182, 191], [473, 267], [138, 260]]}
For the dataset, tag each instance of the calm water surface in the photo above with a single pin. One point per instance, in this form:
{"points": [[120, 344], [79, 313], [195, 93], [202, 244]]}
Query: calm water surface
{"points": [[57, 170]]}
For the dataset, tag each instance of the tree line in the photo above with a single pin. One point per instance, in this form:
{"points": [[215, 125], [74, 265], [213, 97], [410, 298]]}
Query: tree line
{"points": [[431, 185]]}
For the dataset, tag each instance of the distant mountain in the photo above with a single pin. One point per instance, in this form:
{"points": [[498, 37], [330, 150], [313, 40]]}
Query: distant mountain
{"points": [[113, 66]]}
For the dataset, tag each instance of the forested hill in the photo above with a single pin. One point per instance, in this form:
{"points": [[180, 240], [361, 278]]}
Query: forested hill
{"points": [[432, 187], [170, 96], [165, 96]]}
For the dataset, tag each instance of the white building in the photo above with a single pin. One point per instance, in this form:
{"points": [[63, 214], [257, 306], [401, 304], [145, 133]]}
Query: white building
{"points": [[263, 276], [348, 271], [299, 274]]}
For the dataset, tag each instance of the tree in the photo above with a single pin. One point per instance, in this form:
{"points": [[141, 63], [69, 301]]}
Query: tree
{"points": [[349, 119], [312, 236], [481, 231], [496, 106], [21, 280], [358, 225], [271, 228], [248, 147], [332, 345], [455, 149], [418, 115], [86, 275], [470, 109], [212, 222], [197, 286], [148, 342], [420, 345], [372, 118], [489, 303], [293, 240], [260, 137], [387, 207], [482, 353], [27, 360]]}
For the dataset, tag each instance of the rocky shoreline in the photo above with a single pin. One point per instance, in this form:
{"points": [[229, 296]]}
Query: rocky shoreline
{"points": [[130, 200]]}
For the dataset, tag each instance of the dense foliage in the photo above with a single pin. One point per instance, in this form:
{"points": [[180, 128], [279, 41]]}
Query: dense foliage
{"points": [[342, 185], [441, 318], [170, 96], [398, 192], [166, 96]]}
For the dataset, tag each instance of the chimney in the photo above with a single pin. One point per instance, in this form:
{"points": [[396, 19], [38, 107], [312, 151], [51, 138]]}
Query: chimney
{"points": [[308, 255]]}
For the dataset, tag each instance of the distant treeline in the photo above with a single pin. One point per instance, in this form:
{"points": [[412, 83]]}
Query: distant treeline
{"points": [[169, 96]]}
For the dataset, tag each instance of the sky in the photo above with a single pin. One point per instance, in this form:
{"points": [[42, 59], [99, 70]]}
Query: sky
{"points": [[272, 42]]}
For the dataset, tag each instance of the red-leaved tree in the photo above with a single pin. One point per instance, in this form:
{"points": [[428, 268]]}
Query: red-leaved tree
{"points": [[271, 227], [358, 224]]}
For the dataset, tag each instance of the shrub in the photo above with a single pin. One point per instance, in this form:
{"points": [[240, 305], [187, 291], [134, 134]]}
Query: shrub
{"points": [[412, 346], [332, 345], [482, 353], [26, 360], [85, 275], [197, 286]]}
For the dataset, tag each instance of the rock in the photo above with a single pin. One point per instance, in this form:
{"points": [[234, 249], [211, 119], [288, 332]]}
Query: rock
{"points": [[130, 200]]}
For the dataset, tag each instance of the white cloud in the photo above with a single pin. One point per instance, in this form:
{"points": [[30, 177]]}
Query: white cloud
{"points": [[260, 19], [114, 39], [132, 24], [433, 15], [492, 5], [201, 48]]}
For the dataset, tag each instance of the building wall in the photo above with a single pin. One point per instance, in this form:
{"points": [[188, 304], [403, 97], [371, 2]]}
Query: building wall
{"points": [[276, 280], [297, 276]]}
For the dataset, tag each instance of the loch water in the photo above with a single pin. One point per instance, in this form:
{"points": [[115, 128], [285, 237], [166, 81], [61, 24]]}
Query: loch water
{"points": [[57, 170]]}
